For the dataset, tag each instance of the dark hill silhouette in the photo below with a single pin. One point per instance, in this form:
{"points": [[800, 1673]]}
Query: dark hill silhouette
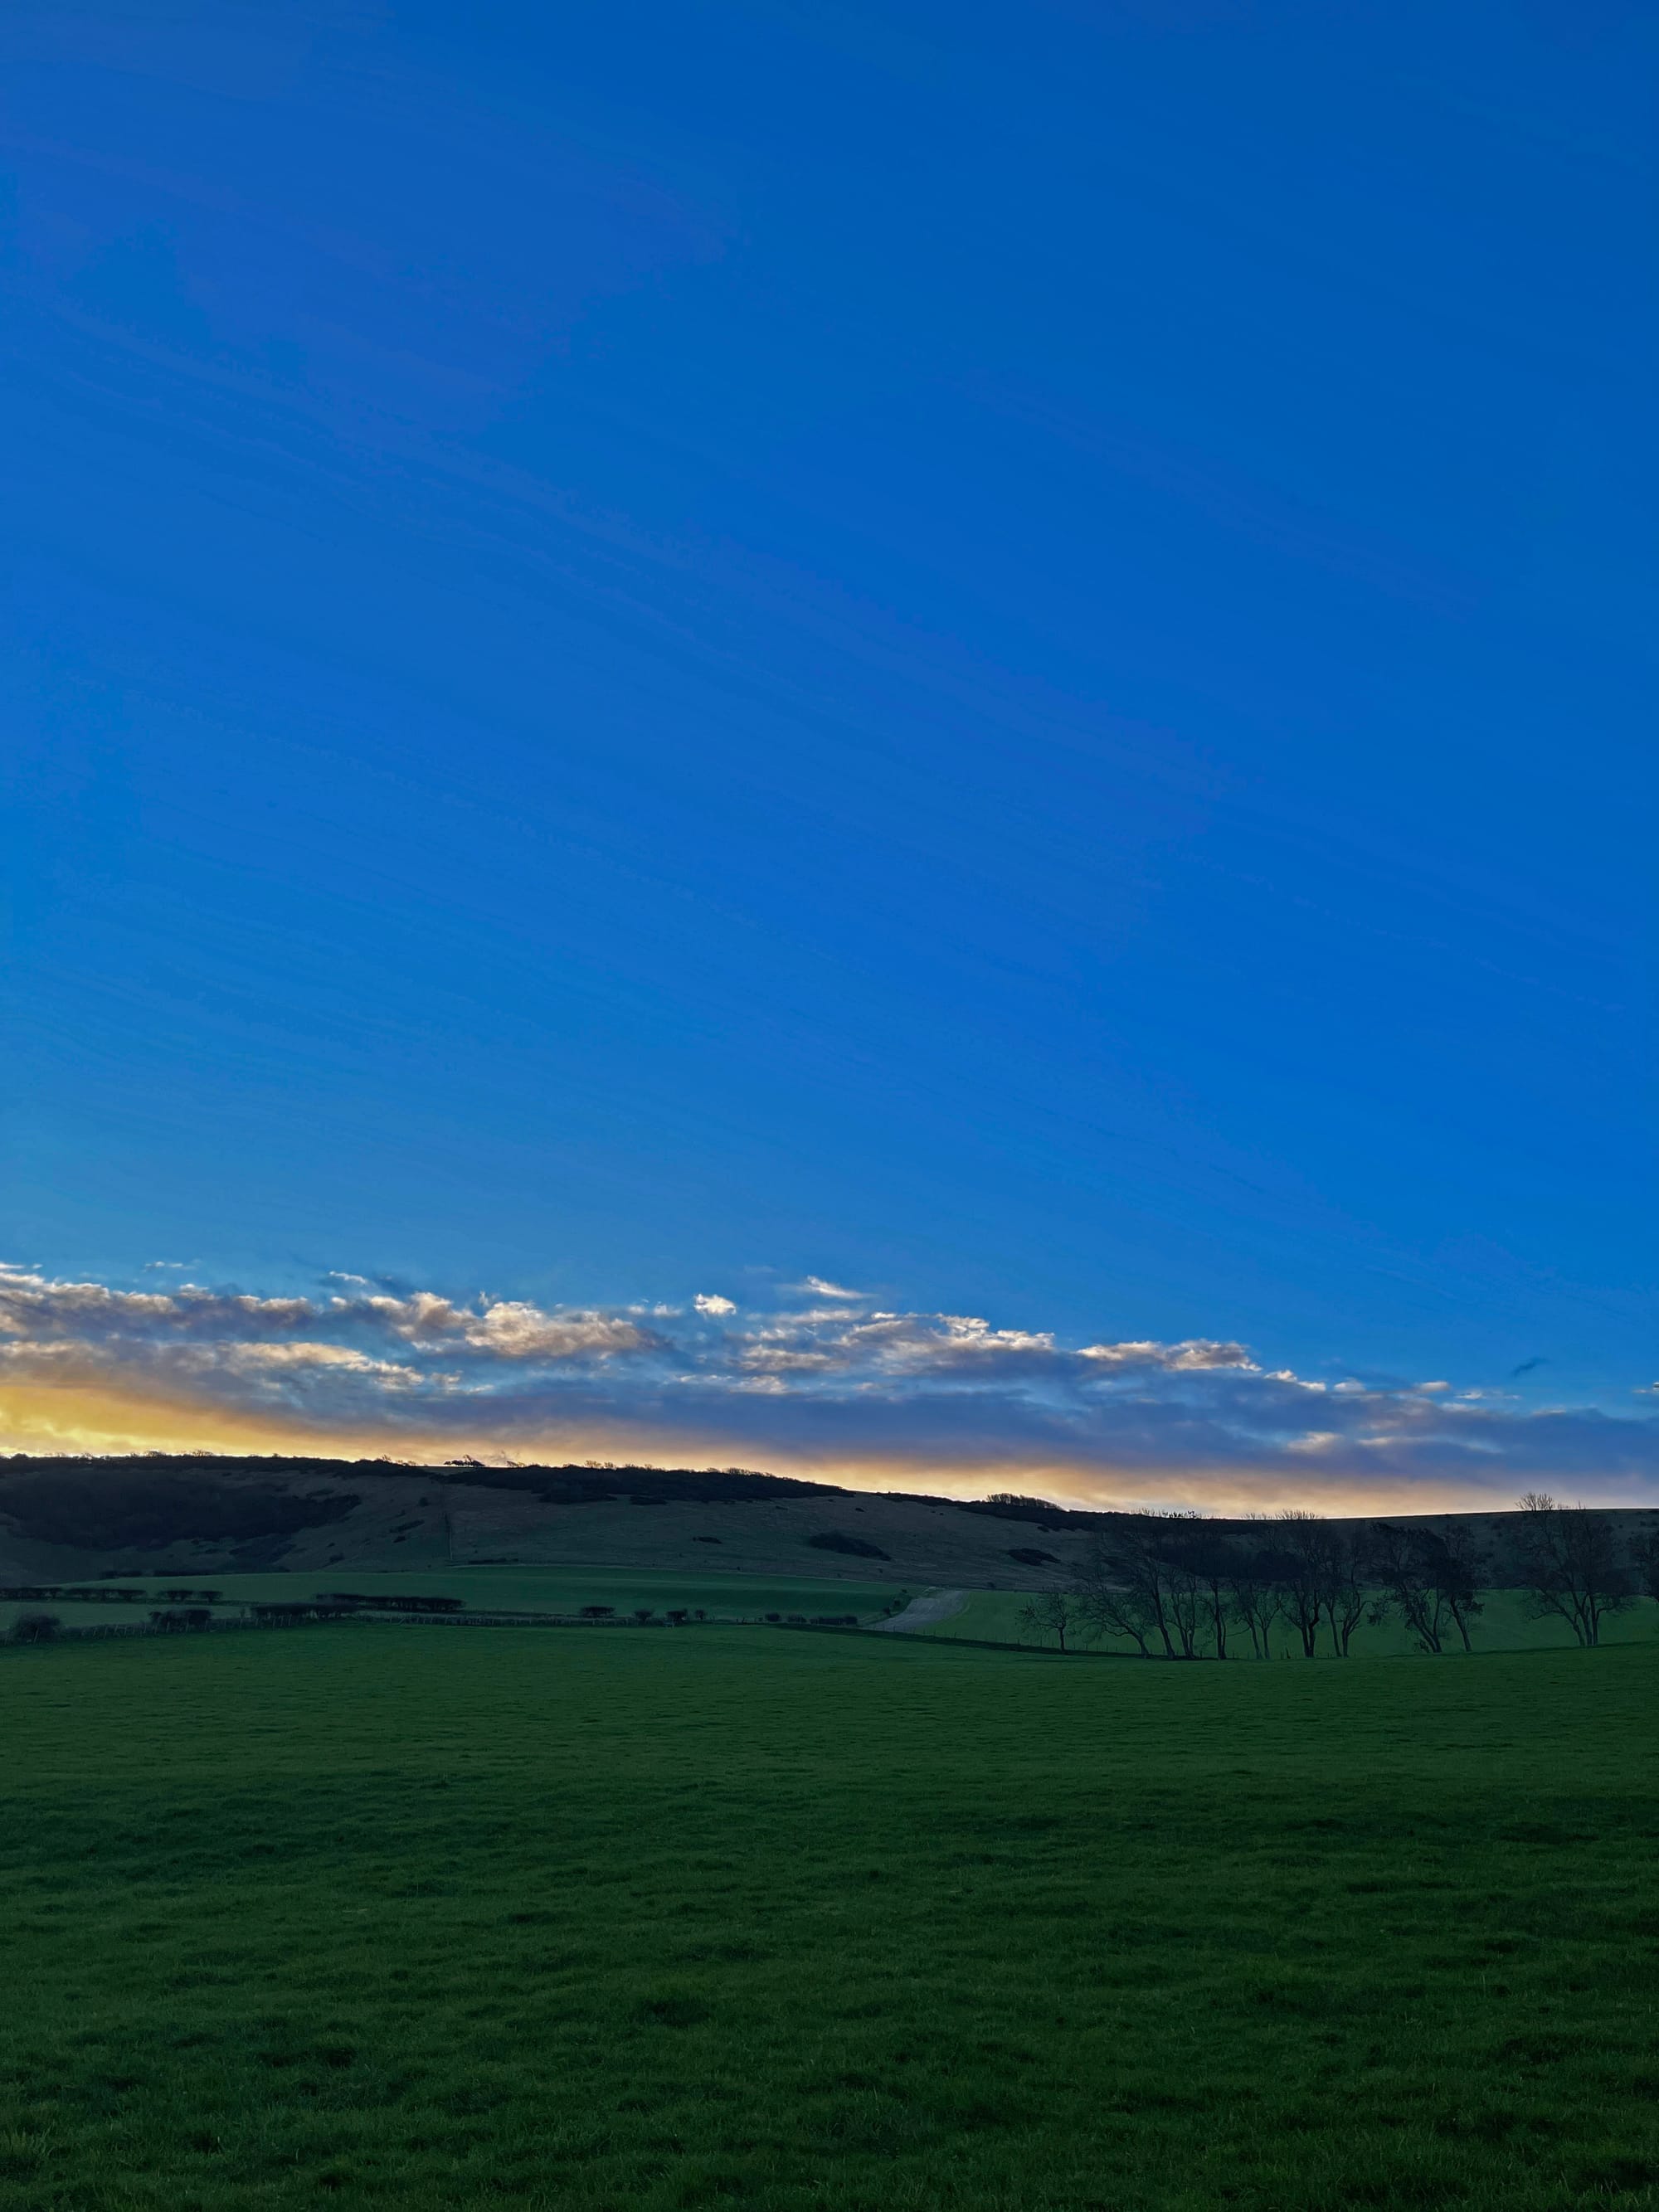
{"points": [[122, 1504], [69, 1518]]}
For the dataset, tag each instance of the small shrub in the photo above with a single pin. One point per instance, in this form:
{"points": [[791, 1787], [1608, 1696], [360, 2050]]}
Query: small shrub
{"points": [[36, 1628], [1029, 1556], [395, 1601], [598, 1612], [677, 1615], [774, 1616], [644, 1612], [288, 1612], [838, 1539]]}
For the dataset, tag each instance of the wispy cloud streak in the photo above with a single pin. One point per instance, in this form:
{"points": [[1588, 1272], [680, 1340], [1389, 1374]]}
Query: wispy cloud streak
{"points": [[826, 1381]]}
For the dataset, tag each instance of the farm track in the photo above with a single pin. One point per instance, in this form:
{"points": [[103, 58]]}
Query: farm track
{"points": [[924, 1612]]}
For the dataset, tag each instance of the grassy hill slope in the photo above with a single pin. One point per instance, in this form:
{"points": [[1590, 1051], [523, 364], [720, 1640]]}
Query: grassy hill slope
{"points": [[64, 1519], [195, 1517]]}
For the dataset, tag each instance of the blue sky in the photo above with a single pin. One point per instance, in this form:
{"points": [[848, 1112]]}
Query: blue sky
{"points": [[1003, 658]]}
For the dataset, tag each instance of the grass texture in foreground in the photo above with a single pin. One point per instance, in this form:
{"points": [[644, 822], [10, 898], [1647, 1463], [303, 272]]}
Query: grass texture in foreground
{"points": [[362, 1917]]}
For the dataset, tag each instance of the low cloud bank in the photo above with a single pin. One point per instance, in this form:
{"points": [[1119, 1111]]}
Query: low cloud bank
{"points": [[826, 1382]]}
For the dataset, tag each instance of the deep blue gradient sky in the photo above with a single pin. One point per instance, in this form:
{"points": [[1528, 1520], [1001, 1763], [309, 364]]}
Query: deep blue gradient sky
{"points": [[1002, 655]]}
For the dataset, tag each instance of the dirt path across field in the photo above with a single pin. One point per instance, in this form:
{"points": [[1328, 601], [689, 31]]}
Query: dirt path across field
{"points": [[924, 1611]]}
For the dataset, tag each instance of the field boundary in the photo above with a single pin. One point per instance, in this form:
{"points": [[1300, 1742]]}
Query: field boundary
{"points": [[966, 1643], [102, 1631], [992, 1644]]}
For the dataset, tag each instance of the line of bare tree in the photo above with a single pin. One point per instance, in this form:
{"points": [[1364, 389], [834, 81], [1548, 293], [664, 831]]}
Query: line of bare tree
{"points": [[1177, 1587]]}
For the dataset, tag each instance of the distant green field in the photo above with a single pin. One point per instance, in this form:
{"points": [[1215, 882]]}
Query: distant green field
{"points": [[991, 1614], [1504, 1626], [365, 1917], [535, 1590]]}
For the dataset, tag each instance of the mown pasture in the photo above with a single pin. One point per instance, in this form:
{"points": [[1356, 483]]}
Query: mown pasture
{"points": [[362, 1915]]}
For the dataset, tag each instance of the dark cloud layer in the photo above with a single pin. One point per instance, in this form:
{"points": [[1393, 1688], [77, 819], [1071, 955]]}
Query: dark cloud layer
{"points": [[827, 1381]]}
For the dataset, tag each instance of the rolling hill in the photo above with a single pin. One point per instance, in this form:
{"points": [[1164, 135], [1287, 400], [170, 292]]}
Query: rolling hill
{"points": [[192, 1514]]}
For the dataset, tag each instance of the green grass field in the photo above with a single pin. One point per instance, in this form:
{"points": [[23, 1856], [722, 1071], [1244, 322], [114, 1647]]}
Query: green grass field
{"points": [[360, 1915], [993, 1615]]}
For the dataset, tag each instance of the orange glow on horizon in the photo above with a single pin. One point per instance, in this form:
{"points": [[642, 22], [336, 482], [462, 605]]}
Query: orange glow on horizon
{"points": [[96, 1419]]}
